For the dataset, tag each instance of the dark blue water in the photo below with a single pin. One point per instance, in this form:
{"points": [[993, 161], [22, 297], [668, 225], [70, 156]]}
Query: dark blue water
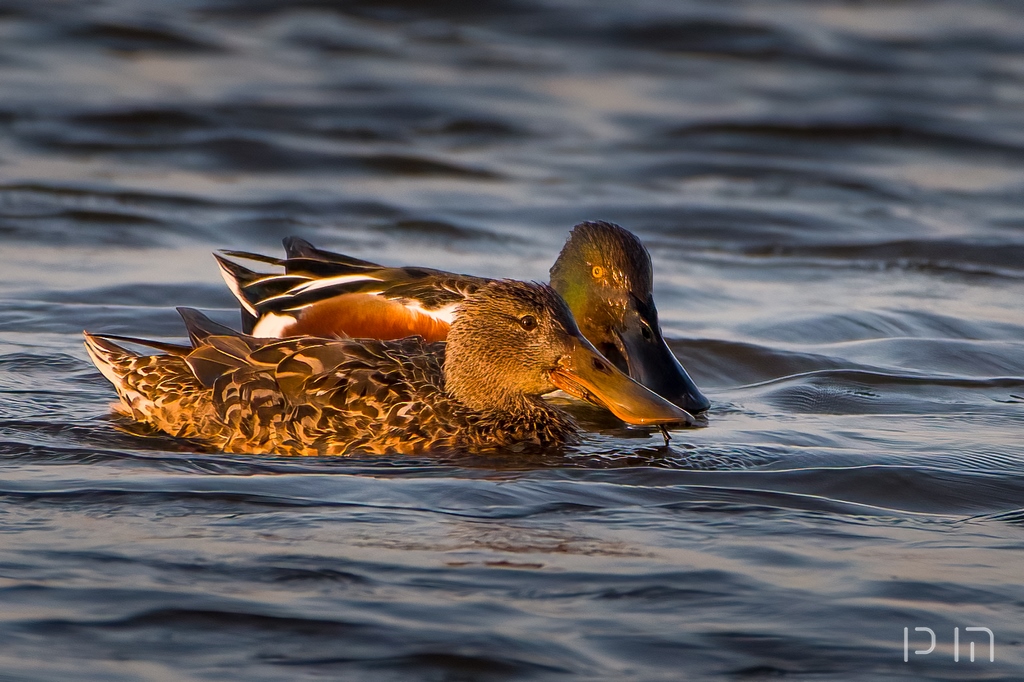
{"points": [[833, 195]]}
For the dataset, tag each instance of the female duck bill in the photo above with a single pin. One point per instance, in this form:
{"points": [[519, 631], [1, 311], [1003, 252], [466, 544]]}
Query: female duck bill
{"points": [[586, 374]]}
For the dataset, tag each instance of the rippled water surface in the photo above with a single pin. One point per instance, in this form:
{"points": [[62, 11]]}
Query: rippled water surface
{"points": [[832, 195]]}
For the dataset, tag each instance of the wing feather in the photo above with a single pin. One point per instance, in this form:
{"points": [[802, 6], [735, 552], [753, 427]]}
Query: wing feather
{"points": [[329, 294]]}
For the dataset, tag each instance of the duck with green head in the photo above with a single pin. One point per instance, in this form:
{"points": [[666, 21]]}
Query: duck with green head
{"points": [[605, 275], [604, 272], [509, 343]]}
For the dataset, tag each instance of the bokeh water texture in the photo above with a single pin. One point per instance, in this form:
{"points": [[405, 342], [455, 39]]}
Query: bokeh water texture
{"points": [[832, 195]]}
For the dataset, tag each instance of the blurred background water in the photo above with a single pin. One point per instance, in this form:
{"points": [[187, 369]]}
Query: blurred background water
{"points": [[832, 195]]}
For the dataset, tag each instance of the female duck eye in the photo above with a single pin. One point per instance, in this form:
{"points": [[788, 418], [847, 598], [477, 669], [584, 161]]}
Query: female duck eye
{"points": [[645, 331], [597, 271], [528, 322]]}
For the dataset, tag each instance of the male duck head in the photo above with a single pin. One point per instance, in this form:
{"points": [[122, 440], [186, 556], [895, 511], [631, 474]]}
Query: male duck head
{"points": [[604, 272], [511, 340]]}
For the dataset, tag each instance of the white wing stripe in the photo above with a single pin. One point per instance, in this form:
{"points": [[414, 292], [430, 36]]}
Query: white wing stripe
{"points": [[445, 314]]}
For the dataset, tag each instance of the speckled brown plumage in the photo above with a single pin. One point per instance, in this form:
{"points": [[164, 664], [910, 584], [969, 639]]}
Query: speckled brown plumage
{"points": [[317, 397]]}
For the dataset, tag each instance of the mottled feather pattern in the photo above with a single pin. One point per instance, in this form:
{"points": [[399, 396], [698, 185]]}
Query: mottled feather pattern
{"points": [[307, 396], [160, 390]]}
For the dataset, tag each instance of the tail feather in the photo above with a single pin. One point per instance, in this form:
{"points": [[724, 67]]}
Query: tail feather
{"points": [[256, 257], [299, 252], [169, 348], [116, 364], [297, 247], [113, 361], [307, 270], [238, 278], [144, 382], [209, 340], [235, 274], [200, 326], [251, 288]]}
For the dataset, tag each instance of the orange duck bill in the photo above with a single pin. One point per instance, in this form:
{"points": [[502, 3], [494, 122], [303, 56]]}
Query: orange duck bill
{"points": [[585, 374]]}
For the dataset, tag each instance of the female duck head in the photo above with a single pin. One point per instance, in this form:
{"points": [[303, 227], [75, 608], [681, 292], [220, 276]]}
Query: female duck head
{"points": [[511, 341], [604, 272]]}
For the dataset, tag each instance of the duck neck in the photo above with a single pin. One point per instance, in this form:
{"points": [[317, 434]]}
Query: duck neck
{"points": [[484, 394], [530, 423]]}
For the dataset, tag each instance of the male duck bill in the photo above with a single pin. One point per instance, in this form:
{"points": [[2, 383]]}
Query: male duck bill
{"points": [[509, 343], [604, 272]]}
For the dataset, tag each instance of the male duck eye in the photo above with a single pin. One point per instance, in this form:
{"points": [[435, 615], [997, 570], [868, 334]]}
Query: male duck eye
{"points": [[597, 271], [528, 322]]}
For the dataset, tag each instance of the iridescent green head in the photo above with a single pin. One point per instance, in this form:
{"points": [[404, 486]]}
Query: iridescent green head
{"points": [[604, 273]]}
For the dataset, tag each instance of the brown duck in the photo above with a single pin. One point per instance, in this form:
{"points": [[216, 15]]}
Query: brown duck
{"points": [[509, 343]]}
